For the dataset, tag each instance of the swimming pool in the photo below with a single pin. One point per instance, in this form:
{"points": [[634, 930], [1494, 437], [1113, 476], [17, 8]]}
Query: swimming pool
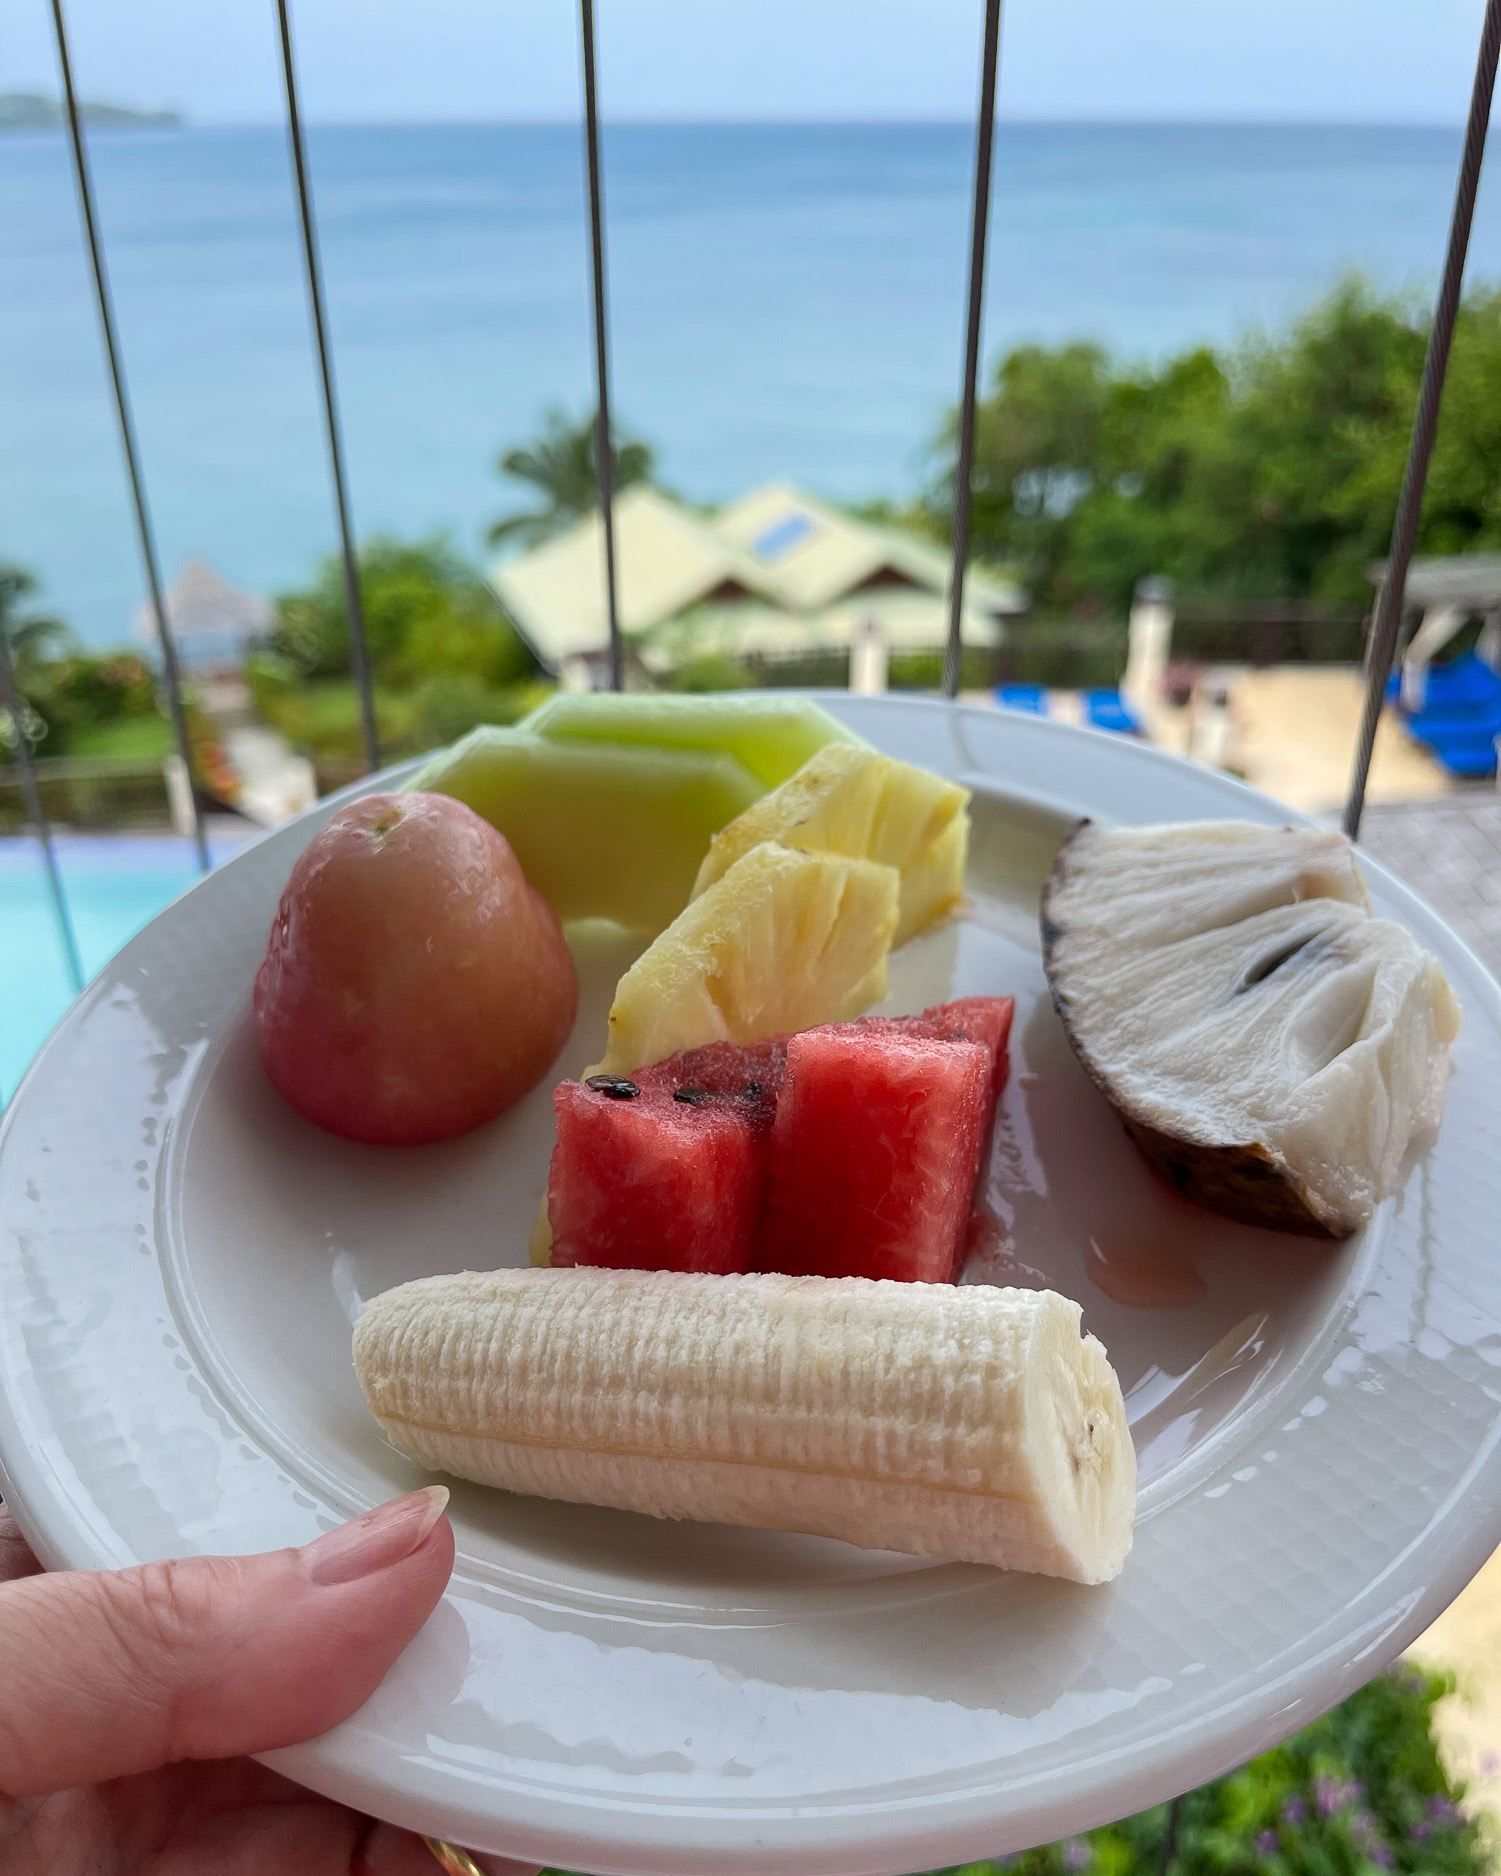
{"points": [[114, 886]]}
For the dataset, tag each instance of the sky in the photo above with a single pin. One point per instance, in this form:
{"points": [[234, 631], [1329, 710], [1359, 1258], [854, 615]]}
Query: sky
{"points": [[1366, 61]]}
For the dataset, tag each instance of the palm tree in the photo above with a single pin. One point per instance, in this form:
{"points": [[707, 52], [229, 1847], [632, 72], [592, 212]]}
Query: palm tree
{"points": [[34, 637], [560, 463]]}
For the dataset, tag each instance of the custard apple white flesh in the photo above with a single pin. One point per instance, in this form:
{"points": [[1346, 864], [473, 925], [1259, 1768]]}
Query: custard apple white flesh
{"points": [[1270, 1045]]}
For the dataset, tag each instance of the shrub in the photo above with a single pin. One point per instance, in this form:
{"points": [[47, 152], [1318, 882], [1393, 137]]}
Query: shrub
{"points": [[1359, 1792], [81, 691], [426, 612]]}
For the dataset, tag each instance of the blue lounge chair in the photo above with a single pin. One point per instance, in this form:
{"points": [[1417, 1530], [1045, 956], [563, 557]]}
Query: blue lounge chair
{"points": [[1466, 684], [1466, 750], [1028, 697], [1108, 710]]}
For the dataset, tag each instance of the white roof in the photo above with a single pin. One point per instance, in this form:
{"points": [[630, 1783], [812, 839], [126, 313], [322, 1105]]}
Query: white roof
{"points": [[201, 603], [775, 570], [816, 556], [666, 561]]}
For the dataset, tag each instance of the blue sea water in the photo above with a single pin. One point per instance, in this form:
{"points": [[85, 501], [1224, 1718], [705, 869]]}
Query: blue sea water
{"points": [[787, 301]]}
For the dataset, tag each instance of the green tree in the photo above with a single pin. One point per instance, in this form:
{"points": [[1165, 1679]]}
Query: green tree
{"points": [[427, 613], [34, 636], [1266, 472], [561, 465], [1039, 451]]}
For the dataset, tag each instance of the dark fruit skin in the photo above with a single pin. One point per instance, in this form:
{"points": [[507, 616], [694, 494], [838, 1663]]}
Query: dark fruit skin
{"points": [[414, 984]]}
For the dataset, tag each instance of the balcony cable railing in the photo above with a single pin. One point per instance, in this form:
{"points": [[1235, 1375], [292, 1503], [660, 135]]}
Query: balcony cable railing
{"points": [[359, 648], [604, 460], [1389, 600], [12, 702], [1386, 628], [953, 659], [104, 303]]}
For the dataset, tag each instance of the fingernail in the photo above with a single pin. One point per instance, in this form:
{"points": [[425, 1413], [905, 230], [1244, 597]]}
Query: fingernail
{"points": [[376, 1539]]}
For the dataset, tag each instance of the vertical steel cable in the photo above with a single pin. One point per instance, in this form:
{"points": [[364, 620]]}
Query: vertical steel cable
{"points": [[602, 451], [1168, 1854], [953, 661], [1389, 600], [359, 653], [105, 305], [11, 701]]}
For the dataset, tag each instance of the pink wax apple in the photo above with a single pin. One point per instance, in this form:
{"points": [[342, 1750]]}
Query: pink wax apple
{"points": [[414, 984]]}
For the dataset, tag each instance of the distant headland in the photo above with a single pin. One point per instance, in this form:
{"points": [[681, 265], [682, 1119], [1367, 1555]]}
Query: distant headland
{"points": [[30, 110]]}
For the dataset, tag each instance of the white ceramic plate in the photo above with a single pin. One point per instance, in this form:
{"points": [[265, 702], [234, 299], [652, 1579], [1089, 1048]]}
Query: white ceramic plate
{"points": [[1317, 1427]]}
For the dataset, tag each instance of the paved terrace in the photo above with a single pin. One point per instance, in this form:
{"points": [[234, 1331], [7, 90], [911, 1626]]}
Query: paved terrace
{"points": [[1450, 850]]}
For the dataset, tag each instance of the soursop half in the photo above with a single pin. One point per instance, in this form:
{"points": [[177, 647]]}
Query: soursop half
{"points": [[1274, 1048]]}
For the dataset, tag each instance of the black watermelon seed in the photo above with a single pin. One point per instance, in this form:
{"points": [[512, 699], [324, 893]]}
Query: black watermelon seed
{"points": [[692, 1095], [616, 1086], [753, 1090]]}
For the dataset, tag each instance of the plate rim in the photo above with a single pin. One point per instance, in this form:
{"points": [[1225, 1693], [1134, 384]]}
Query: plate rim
{"points": [[864, 1843]]}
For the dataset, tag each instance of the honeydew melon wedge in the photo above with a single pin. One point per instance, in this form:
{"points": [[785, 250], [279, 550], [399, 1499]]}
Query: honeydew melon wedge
{"points": [[602, 830], [773, 736], [1270, 1045]]}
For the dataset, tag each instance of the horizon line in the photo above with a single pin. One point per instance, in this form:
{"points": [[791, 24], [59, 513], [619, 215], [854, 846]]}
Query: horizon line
{"points": [[765, 121]]}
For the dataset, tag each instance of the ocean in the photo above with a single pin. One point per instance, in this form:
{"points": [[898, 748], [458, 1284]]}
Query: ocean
{"points": [[787, 301]]}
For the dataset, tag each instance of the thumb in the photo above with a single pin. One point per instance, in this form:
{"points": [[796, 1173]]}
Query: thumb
{"points": [[105, 1673]]}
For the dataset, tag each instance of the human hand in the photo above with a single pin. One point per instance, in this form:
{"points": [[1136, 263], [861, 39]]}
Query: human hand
{"points": [[128, 1699]]}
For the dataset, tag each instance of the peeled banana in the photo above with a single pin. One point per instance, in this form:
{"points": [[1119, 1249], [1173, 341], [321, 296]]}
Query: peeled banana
{"points": [[971, 1423]]}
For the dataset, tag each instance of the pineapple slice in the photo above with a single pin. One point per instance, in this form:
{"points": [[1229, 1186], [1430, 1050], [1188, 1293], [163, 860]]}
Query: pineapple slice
{"points": [[851, 800], [783, 941]]}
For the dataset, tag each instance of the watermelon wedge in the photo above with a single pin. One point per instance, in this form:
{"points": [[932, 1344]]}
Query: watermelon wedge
{"points": [[875, 1152], [666, 1170], [643, 1181], [849, 1150], [986, 1020]]}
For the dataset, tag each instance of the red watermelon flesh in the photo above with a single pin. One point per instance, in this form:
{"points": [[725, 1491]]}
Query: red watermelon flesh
{"points": [[676, 1175], [751, 1075], [986, 1020], [644, 1181], [875, 1152]]}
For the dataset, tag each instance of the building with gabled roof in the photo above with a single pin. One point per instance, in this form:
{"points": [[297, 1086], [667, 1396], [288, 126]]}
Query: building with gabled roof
{"points": [[667, 562], [817, 557], [775, 574]]}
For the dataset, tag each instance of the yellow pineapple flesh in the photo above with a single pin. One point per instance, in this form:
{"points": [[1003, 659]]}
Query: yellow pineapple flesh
{"points": [[854, 801], [783, 941]]}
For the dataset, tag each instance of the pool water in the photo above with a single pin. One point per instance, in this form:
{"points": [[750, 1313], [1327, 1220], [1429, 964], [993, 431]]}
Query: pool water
{"points": [[113, 886]]}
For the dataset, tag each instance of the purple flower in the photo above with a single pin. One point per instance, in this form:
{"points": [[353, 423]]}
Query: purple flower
{"points": [[1490, 1764], [1077, 1855], [1266, 1843], [1442, 1810], [1419, 1831], [1335, 1794], [1380, 1853], [1294, 1811]]}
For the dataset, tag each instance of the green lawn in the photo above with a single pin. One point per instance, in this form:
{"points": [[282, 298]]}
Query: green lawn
{"points": [[130, 739]]}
